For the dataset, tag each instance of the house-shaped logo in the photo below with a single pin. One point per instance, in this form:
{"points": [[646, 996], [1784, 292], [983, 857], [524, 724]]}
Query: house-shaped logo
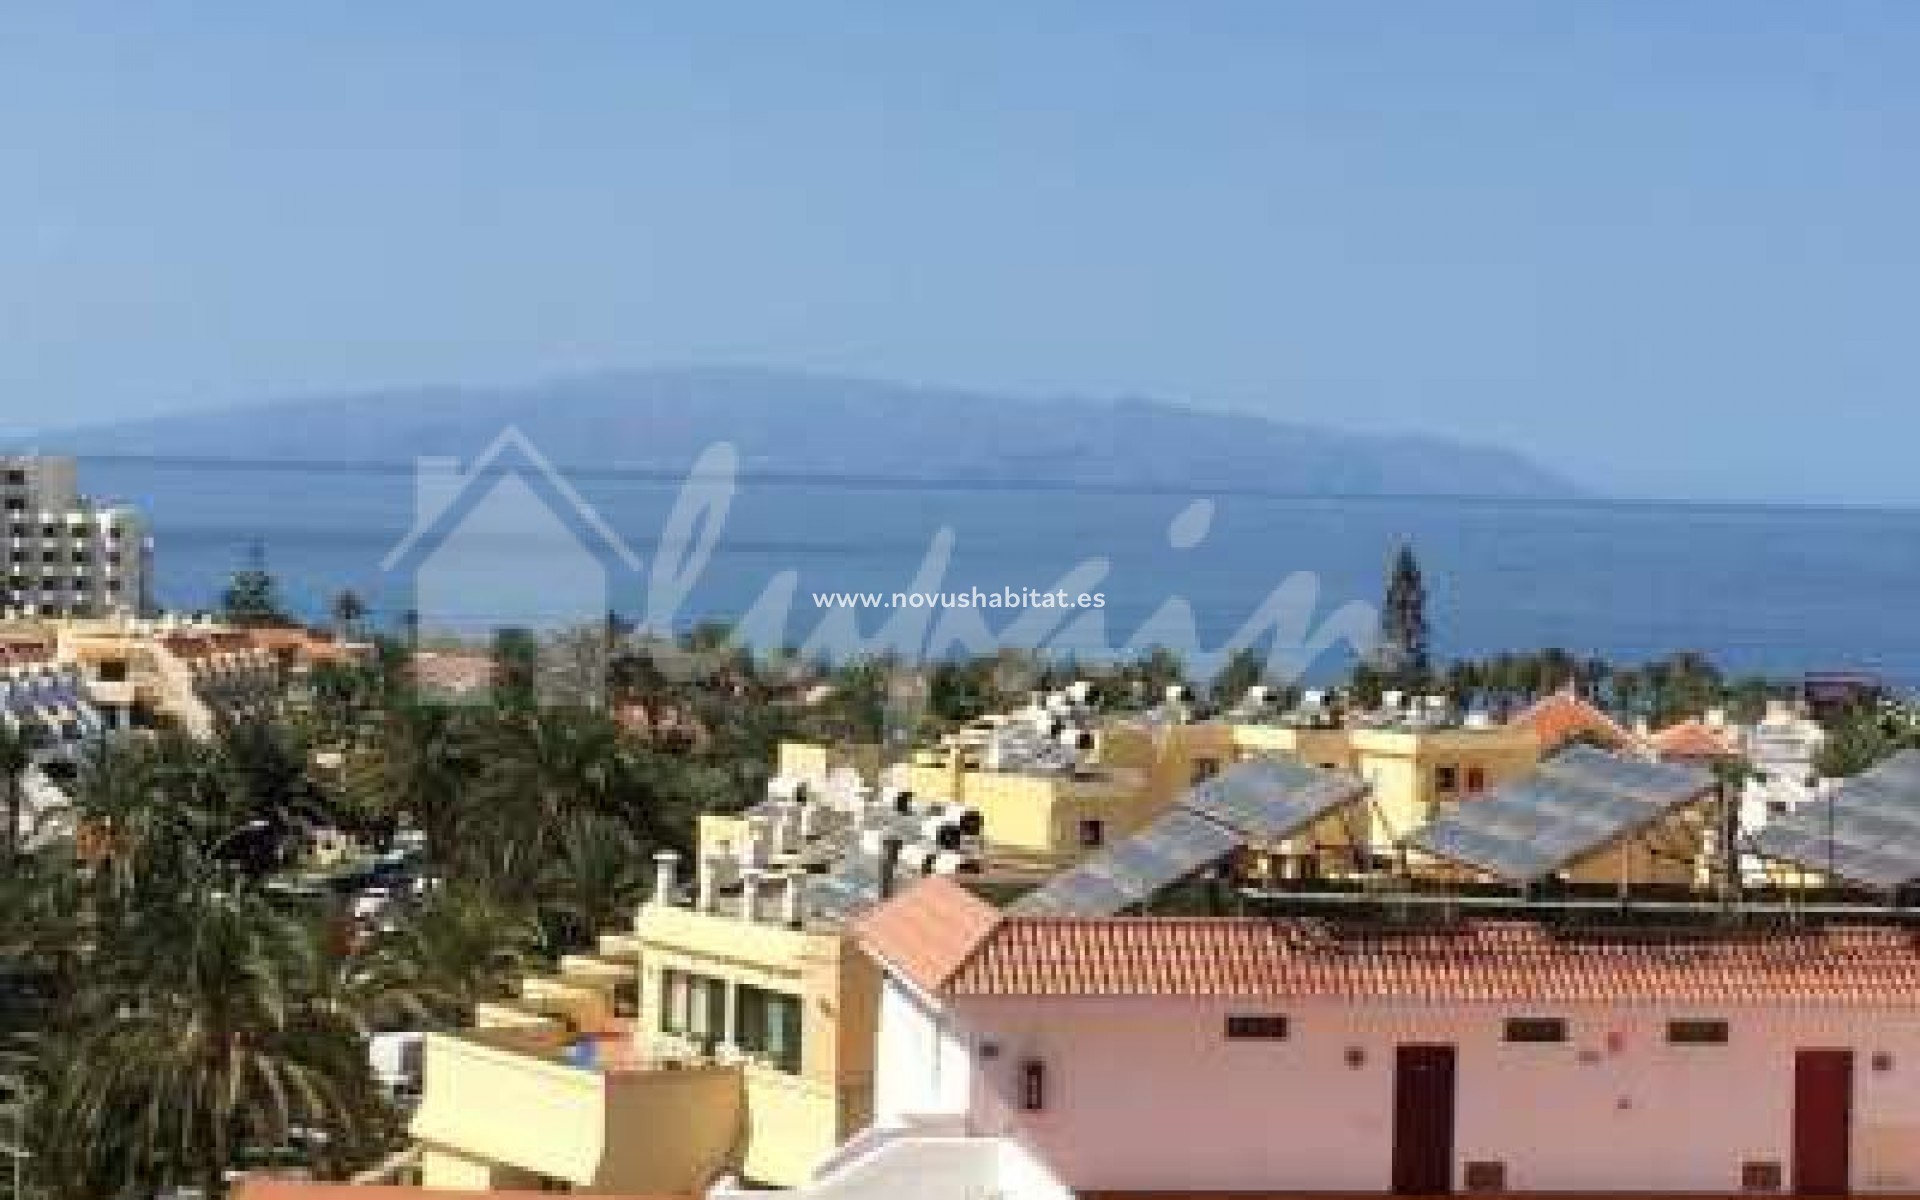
{"points": [[506, 543]]}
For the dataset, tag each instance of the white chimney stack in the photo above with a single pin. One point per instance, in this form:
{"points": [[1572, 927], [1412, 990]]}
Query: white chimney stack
{"points": [[665, 871], [793, 900], [759, 840], [750, 894], [707, 896], [783, 829]]}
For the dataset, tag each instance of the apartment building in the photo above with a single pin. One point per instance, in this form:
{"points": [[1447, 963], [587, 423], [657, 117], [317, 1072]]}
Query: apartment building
{"points": [[48, 701], [1047, 1056], [68, 554], [166, 671], [744, 1045], [1055, 780]]}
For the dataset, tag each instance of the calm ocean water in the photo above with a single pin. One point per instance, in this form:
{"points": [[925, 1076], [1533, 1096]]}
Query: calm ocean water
{"points": [[1772, 590]]}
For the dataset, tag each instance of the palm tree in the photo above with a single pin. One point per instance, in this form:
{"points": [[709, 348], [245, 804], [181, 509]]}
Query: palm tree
{"points": [[348, 611], [198, 1043], [593, 883], [457, 947], [417, 770], [17, 744]]}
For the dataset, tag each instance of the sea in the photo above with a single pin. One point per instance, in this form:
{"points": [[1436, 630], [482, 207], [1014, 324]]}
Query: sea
{"points": [[1768, 590]]}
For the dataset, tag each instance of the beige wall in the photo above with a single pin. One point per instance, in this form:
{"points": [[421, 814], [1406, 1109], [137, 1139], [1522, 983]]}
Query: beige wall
{"points": [[813, 760], [498, 1112], [792, 1120]]}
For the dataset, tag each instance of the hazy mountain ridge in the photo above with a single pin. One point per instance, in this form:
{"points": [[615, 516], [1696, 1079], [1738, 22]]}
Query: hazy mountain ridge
{"points": [[794, 423]]}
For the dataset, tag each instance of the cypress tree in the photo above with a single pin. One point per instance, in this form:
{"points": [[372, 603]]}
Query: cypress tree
{"points": [[1402, 651]]}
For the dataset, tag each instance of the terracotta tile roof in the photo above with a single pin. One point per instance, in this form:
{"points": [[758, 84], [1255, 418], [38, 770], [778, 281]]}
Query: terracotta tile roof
{"points": [[946, 941], [1694, 739], [927, 932], [1563, 716], [458, 672]]}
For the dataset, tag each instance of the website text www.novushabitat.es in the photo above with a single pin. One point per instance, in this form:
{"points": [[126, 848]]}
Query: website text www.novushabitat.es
{"points": [[1000, 598]]}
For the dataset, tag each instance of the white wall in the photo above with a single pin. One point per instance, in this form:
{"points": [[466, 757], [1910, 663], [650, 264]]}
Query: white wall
{"points": [[1145, 1094], [924, 1068]]}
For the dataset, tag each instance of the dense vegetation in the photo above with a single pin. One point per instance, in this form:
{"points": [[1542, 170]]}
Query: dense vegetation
{"points": [[202, 1015]]}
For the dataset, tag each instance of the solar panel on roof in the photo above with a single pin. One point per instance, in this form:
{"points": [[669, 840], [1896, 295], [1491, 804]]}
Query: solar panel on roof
{"points": [[1867, 831], [1568, 808], [1252, 801], [1269, 799]]}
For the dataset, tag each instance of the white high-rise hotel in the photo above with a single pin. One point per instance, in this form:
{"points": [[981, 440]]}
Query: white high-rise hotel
{"points": [[66, 554]]}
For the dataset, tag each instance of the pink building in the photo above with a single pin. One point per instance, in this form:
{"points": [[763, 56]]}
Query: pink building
{"points": [[1249, 1055]]}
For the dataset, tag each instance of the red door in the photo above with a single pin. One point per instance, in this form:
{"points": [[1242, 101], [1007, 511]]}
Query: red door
{"points": [[1822, 1121], [1423, 1120]]}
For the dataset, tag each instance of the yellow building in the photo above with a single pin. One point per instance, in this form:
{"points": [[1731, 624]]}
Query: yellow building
{"points": [[749, 1053], [794, 1002], [1035, 816], [167, 671], [1047, 810]]}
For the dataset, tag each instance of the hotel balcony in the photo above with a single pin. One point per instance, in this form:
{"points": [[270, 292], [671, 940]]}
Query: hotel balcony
{"points": [[532, 1108]]}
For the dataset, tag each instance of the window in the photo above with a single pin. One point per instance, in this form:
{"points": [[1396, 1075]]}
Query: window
{"points": [[1476, 779], [113, 670], [1536, 1029], [1271, 1027], [1093, 834], [1696, 1033], [769, 1025], [1204, 769], [626, 993], [1446, 779], [1485, 1177], [1760, 1177], [1033, 1085], [692, 1005], [17, 476]]}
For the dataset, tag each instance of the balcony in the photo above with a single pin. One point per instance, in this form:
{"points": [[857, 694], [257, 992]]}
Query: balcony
{"points": [[597, 1113]]}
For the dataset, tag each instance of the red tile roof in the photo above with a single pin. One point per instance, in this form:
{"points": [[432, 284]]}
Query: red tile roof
{"points": [[927, 932], [936, 935], [1563, 716], [1693, 739]]}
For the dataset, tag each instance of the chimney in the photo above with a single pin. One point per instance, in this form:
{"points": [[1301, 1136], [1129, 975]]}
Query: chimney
{"points": [[665, 868], [708, 896], [782, 829], [750, 894], [889, 865], [759, 841], [793, 900]]}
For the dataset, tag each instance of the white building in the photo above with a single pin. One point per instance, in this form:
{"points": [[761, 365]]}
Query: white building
{"points": [[1036, 1058], [67, 554]]}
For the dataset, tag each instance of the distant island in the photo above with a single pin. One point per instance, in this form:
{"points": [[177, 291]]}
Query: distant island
{"points": [[792, 423]]}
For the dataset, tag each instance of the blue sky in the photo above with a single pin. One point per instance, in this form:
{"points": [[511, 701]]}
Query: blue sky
{"points": [[1671, 249]]}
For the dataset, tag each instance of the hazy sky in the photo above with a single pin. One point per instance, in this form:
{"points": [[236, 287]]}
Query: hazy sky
{"points": [[1670, 248]]}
